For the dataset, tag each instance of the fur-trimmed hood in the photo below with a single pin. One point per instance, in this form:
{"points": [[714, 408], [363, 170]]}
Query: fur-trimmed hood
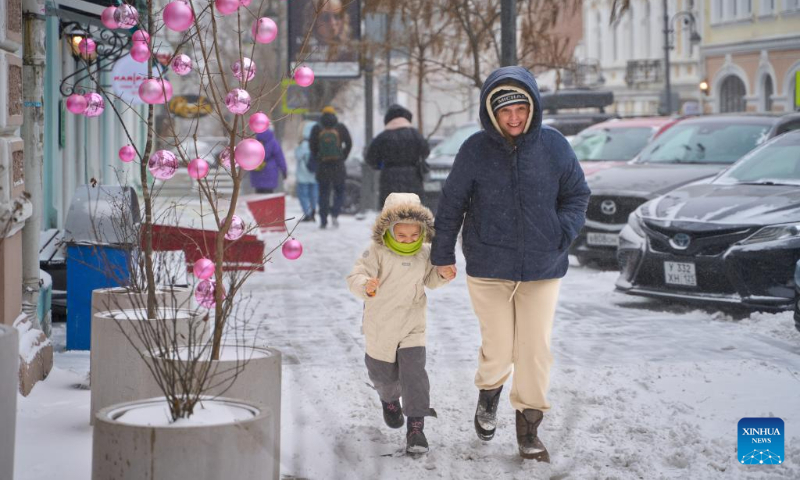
{"points": [[403, 208]]}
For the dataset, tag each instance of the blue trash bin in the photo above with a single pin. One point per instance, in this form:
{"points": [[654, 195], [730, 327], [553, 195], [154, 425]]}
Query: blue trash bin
{"points": [[101, 235]]}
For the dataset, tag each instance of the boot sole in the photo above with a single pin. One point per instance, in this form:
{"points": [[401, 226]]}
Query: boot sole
{"points": [[417, 450], [542, 457], [395, 426], [484, 435]]}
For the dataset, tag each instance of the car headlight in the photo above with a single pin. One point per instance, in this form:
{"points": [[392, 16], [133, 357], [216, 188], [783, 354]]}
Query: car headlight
{"points": [[774, 233], [636, 223]]}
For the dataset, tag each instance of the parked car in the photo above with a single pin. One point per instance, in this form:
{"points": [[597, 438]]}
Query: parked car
{"points": [[614, 142], [441, 161], [692, 149], [734, 239], [566, 110]]}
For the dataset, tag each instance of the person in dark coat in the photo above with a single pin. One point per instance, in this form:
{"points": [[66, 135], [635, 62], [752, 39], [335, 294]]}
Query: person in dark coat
{"points": [[520, 194], [330, 144], [399, 152], [264, 179]]}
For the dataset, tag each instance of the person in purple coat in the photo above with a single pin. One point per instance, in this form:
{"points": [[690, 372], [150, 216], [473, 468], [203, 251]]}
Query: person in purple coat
{"points": [[265, 178]]}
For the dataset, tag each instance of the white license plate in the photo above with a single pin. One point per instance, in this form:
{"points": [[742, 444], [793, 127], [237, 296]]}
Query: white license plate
{"points": [[432, 186], [680, 273], [602, 239]]}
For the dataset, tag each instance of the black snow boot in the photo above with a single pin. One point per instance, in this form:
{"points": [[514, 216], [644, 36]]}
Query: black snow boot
{"points": [[392, 414], [486, 413], [527, 436], [416, 443]]}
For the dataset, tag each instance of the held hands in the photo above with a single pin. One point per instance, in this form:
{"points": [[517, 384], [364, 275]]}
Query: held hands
{"points": [[371, 287], [448, 272]]}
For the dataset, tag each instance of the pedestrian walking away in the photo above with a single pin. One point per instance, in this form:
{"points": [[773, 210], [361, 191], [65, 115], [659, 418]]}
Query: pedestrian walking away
{"points": [[330, 145], [264, 179], [307, 187], [391, 277], [520, 195], [399, 152]]}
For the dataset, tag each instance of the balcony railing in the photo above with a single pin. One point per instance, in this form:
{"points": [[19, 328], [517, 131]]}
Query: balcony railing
{"points": [[644, 71]]}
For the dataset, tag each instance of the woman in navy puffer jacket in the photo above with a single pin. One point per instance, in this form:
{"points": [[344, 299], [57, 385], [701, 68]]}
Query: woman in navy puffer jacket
{"points": [[521, 196]]}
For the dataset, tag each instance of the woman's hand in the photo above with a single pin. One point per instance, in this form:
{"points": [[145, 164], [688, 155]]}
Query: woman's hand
{"points": [[448, 272], [371, 287]]}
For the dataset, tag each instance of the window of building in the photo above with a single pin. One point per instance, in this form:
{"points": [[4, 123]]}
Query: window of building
{"points": [[791, 5], [646, 29], [717, 10], [768, 91], [732, 94], [767, 7], [599, 40]]}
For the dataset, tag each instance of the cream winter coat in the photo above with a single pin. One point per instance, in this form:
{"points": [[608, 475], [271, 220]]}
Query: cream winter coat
{"points": [[395, 317]]}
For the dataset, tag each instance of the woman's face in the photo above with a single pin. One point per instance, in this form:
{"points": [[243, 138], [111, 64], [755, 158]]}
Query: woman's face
{"points": [[512, 118], [330, 22]]}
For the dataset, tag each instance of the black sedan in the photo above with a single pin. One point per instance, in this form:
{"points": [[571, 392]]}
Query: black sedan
{"points": [[692, 149], [733, 239]]}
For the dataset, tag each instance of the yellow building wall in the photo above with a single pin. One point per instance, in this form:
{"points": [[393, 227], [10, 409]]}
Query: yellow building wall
{"points": [[758, 28]]}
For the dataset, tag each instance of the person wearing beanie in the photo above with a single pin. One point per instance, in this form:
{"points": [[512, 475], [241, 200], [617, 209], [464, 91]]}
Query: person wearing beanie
{"points": [[519, 197], [330, 145], [390, 277], [399, 152]]}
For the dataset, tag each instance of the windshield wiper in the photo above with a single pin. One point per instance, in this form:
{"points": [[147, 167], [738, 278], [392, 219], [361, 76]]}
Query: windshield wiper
{"points": [[769, 182]]}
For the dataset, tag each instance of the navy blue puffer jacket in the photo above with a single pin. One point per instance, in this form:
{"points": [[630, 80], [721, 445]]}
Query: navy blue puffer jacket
{"points": [[521, 203]]}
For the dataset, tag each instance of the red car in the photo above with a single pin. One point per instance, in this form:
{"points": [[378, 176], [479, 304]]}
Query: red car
{"points": [[617, 141]]}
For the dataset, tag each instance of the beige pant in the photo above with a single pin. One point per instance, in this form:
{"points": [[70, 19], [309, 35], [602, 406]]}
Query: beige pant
{"points": [[515, 335]]}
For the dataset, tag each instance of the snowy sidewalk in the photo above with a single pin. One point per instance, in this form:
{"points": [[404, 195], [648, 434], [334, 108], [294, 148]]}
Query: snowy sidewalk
{"points": [[636, 393]]}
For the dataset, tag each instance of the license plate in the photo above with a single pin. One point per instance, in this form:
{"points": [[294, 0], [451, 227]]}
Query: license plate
{"points": [[602, 239], [680, 273], [432, 186]]}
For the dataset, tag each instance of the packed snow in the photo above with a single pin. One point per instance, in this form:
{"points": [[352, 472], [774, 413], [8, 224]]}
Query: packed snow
{"points": [[640, 388]]}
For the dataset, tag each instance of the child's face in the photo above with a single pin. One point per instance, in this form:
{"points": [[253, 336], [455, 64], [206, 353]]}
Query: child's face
{"points": [[406, 232]]}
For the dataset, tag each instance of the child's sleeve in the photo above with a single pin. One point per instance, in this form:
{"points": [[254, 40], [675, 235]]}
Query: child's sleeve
{"points": [[365, 268], [432, 278]]}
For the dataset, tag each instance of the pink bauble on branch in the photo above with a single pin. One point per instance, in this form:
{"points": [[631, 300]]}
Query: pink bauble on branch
{"points": [[140, 52], [204, 293], [304, 76], [238, 101], [178, 16], [127, 153], [167, 90], [141, 36], [151, 91], [126, 16], [226, 7], [204, 269], [198, 168], [76, 103], [225, 157], [107, 17], [264, 30], [181, 64], [163, 164], [292, 249], [87, 47], [259, 122], [249, 153], [237, 228], [94, 105], [244, 68]]}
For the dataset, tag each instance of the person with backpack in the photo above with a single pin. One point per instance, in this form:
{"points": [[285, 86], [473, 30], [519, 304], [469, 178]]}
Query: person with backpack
{"points": [[264, 179], [330, 144], [399, 152], [307, 187]]}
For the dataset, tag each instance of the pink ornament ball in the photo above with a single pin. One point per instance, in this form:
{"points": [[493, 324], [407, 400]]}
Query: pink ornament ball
{"points": [[76, 103], [204, 269], [225, 157], [226, 7], [238, 101], [259, 122], [126, 16], [264, 30], [141, 36], [204, 293], [127, 153], [107, 17], [236, 230], [249, 153], [198, 168], [292, 249], [182, 64], [94, 105], [163, 164], [140, 52], [152, 92], [245, 68], [87, 47], [178, 16], [167, 90], [304, 76]]}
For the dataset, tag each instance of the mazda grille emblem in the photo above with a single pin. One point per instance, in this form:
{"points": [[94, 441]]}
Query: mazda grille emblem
{"points": [[680, 241], [608, 207]]}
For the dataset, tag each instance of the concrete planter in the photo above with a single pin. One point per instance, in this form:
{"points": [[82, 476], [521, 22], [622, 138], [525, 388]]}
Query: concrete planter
{"points": [[235, 450], [120, 298], [9, 378], [117, 372]]}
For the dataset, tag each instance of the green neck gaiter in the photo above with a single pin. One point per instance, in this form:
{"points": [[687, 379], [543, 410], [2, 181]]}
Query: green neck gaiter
{"points": [[405, 249]]}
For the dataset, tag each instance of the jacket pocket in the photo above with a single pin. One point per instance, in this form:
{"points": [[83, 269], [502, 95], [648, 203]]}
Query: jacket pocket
{"points": [[497, 227]]}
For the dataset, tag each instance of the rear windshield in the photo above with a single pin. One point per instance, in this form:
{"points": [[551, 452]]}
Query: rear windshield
{"points": [[608, 144], [718, 142]]}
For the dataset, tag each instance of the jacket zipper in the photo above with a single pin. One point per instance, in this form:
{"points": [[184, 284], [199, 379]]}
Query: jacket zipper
{"points": [[520, 220]]}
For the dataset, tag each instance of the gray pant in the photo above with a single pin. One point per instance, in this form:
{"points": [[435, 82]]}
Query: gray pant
{"points": [[406, 378]]}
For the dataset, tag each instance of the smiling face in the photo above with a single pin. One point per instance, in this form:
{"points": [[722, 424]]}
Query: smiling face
{"points": [[407, 232], [512, 119]]}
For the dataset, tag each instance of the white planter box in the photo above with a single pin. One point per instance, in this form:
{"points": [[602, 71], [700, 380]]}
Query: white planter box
{"points": [[9, 378]]}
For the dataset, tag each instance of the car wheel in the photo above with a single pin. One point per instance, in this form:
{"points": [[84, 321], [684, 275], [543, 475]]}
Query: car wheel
{"points": [[352, 197]]}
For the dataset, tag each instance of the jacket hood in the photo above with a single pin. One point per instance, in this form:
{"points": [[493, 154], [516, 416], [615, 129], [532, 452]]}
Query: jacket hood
{"points": [[402, 208], [511, 78], [307, 129], [328, 120], [265, 136], [396, 111]]}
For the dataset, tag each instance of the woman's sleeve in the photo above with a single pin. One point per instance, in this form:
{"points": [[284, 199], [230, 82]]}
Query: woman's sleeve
{"points": [[453, 203], [573, 199]]}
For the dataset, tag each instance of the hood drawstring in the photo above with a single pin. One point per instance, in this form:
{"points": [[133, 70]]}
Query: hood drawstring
{"points": [[516, 286]]}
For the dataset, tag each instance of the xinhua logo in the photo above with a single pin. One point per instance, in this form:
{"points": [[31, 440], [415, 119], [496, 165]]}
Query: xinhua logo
{"points": [[761, 441]]}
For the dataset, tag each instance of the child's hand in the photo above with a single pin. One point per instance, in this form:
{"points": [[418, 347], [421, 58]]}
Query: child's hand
{"points": [[372, 286], [447, 272]]}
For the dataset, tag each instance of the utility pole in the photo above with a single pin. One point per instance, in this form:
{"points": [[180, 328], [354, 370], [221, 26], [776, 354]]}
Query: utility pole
{"points": [[667, 86], [508, 33]]}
